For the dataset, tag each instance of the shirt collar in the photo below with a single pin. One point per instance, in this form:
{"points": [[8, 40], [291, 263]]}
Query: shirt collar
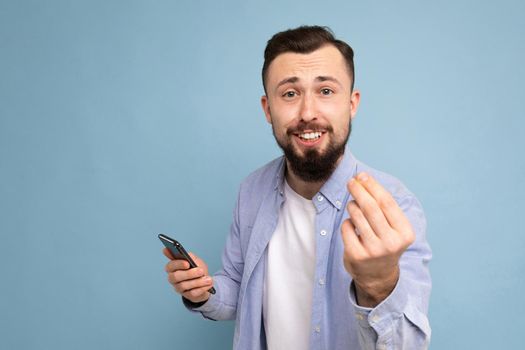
{"points": [[334, 189], [279, 177]]}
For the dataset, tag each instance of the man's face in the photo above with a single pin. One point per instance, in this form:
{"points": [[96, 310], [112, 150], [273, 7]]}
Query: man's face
{"points": [[310, 106]]}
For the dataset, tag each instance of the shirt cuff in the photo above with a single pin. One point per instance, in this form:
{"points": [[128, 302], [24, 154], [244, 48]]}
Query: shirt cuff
{"points": [[204, 307], [361, 312], [380, 317]]}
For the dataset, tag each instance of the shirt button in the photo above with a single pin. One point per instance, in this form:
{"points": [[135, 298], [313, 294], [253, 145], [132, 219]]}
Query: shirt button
{"points": [[381, 346], [317, 329], [359, 316], [338, 203], [320, 198], [323, 232], [375, 318], [321, 281]]}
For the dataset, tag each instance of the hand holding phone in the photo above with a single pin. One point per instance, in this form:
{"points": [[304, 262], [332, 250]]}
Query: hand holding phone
{"points": [[186, 272]]}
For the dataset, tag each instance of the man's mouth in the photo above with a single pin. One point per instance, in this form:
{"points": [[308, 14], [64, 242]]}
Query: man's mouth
{"points": [[310, 136]]}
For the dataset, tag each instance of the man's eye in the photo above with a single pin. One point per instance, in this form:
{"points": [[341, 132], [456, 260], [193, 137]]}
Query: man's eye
{"points": [[289, 94], [326, 91]]}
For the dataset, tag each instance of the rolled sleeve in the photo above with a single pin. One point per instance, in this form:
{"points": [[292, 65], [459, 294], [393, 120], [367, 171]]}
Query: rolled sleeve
{"points": [[396, 323], [223, 304], [206, 309]]}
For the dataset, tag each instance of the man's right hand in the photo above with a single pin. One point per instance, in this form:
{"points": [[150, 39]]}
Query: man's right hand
{"points": [[193, 284]]}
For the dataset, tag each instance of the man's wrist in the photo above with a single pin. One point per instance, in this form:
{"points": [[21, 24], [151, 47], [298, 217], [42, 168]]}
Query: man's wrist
{"points": [[193, 305], [371, 293]]}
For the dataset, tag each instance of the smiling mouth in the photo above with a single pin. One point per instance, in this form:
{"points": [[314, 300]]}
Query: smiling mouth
{"points": [[310, 136]]}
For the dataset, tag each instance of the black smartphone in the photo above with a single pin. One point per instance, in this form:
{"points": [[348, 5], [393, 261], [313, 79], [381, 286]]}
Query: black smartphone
{"points": [[177, 250]]}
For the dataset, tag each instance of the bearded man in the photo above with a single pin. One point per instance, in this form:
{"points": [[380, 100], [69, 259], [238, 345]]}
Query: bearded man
{"points": [[324, 251]]}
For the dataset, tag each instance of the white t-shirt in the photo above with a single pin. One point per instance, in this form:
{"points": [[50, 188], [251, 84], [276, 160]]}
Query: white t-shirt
{"points": [[289, 279]]}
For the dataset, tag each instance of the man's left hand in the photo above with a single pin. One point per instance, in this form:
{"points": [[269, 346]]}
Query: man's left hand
{"points": [[375, 235]]}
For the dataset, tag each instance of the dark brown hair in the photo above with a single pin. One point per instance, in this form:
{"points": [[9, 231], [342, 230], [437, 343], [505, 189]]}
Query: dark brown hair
{"points": [[305, 39]]}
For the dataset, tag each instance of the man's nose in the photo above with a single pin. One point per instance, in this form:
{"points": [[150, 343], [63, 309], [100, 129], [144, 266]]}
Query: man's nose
{"points": [[308, 108]]}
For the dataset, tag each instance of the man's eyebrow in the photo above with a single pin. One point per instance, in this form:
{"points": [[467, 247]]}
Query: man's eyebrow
{"points": [[322, 78], [288, 80]]}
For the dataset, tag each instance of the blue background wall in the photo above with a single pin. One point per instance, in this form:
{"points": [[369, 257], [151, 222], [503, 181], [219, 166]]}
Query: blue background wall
{"points": [[123, 119]]}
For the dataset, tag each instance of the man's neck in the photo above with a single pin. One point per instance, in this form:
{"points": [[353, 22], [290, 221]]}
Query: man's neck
{"points": [[304, 188]]}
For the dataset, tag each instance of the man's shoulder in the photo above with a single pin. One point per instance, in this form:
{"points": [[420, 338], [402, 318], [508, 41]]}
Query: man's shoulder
{"points": [[264, 177]]}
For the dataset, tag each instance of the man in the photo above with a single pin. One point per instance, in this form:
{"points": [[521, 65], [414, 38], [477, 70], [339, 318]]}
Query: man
{"points": [[324, 252]]}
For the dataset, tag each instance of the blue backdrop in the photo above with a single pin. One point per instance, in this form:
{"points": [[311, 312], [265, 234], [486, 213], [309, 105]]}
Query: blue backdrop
{"points": [[123, 119]]}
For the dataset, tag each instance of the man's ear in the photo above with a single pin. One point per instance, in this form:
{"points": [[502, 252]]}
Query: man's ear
{"points": [[354, 103], [266, 108]]}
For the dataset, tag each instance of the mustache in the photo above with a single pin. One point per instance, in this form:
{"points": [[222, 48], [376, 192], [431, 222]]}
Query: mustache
{"points": [[302, 126]]}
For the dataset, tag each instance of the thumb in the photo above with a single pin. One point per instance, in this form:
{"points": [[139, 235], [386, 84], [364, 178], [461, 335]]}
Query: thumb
{"points": [[167, 254], [200, 263]]}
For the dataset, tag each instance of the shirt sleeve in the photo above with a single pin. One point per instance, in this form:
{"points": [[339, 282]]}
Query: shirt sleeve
{"points": [[223, 304], [400, 321]]}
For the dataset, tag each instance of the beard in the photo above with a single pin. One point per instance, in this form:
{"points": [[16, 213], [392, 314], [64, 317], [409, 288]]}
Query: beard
{"points": [[313, 165]]}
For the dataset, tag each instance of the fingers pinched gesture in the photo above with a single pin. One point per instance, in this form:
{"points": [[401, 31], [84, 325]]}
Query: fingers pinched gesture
{"points": [[375, 235]]}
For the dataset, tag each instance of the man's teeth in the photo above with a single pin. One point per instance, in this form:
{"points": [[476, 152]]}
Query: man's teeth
{"points": [[310, 135]]}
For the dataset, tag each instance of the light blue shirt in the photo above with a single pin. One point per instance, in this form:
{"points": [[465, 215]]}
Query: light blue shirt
{"points": [[337, 322]]}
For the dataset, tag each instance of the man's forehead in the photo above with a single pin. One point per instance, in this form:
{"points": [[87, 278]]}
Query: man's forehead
{"points": [[325, 61]]}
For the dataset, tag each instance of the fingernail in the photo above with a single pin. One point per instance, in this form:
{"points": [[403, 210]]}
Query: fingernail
{"points": [[207, 279], [352, 180], [362, 177]]}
